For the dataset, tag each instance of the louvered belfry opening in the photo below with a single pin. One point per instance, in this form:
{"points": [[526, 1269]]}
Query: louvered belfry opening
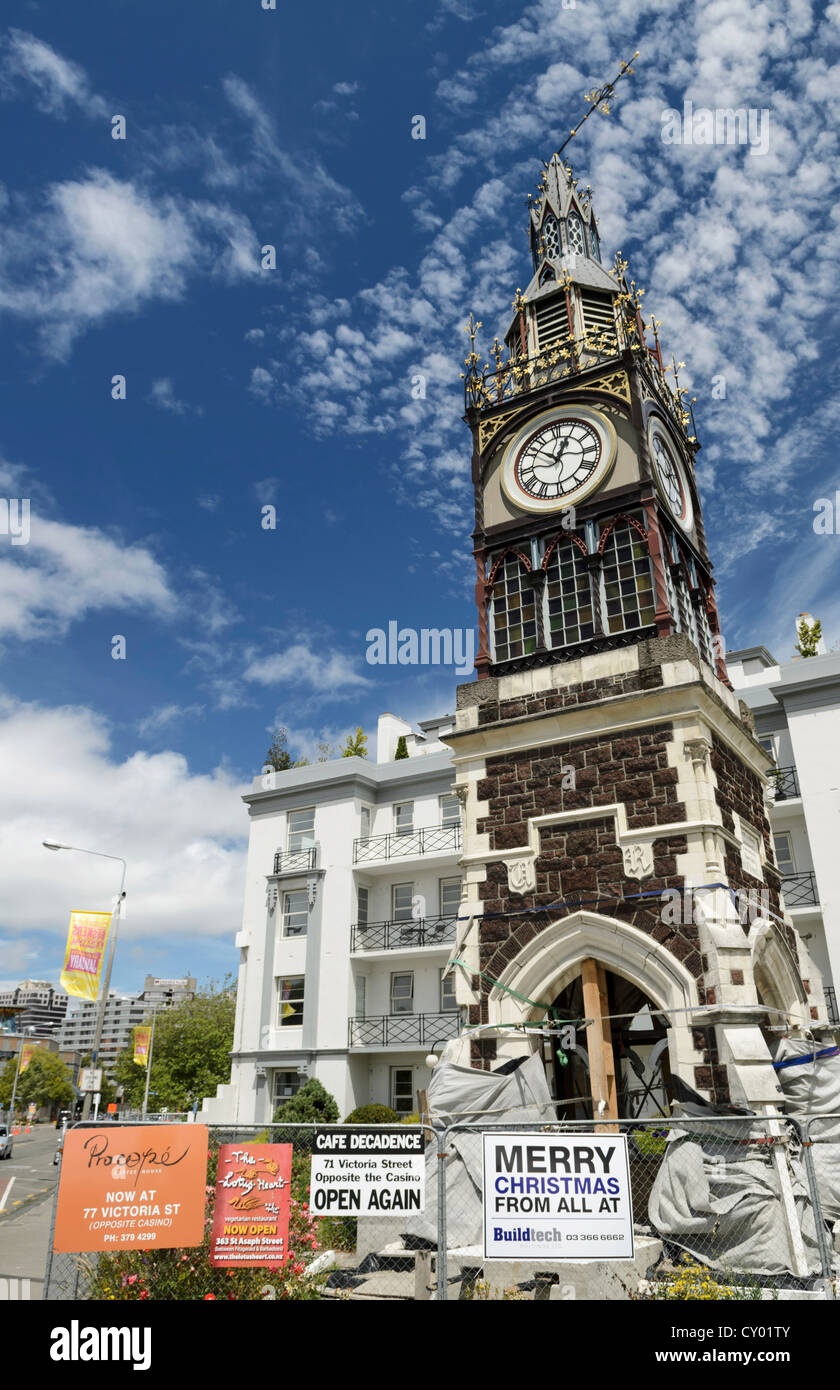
{"points": [[597, 311], [552, 320]]}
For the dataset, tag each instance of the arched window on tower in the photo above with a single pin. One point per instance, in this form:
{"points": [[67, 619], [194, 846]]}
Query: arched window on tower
{"points": [[574, 233], [513, 615], [594, 242], [568, 613], [627, 579], [551, 238]]}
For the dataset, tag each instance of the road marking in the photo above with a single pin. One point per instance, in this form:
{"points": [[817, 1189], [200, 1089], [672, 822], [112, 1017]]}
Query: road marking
{"points": [[6, 1192]]}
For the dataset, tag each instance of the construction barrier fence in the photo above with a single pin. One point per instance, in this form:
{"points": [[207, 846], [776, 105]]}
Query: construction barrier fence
{"points": [[712, 1208]]}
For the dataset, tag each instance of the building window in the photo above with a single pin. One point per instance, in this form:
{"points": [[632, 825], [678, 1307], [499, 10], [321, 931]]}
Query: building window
{"points": [[402, 895], [514, 611], [295, 912], [301, 829], [551, 238], [767, 745], [402, 992], [568, 597], [450, 809], [784, 853], [362, 900], [402, 1090], [448, 1002], [627, 580], [361, 995], [290, 1002], [574, 232], [594, 243], [450, 897], [404, 818], [286, 1085], [364, 827]]}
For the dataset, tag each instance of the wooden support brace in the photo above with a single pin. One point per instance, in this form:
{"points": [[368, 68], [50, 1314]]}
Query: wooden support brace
{"points": [[599, 1044]]}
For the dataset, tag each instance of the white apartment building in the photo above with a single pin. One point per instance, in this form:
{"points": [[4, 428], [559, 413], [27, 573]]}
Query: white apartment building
{"points": [[122, 1015], [351, 900], [796, 706]]}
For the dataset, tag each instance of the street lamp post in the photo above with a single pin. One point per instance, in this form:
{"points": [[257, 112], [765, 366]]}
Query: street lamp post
{"points": [[15, 1083], [112, 941], [168, 993]]}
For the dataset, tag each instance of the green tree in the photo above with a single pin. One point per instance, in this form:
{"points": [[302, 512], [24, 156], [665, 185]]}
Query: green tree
{"points": [[355, 745], [45, 1081], [278, 756], [402, 750], [191, 1053], [809, 635], [311, 1105]]}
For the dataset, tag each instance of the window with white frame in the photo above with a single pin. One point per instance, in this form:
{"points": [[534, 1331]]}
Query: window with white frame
{"points": [[362, 903], [361, 995], [448, 1001], [401, 901], [295, 912], [784, 853], [404, 817], [290, 1001], [286, 1084], [551, 238], [402, 1090], [450, 896], [450, 809], [402, 992], [768, 746], [365, 820], [574, 233], [301, 829]]}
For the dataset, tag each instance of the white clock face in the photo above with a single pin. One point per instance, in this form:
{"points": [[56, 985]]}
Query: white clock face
{"points": [[558, 458], [670, 477]]}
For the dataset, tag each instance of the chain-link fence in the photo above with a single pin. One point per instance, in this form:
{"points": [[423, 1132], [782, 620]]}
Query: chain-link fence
{"points": [[702, 1207]]}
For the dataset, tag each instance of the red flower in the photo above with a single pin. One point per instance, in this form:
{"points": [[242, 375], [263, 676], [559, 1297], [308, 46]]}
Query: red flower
{"points": [[132, 1279], [144, 1293], [209, 1296]]}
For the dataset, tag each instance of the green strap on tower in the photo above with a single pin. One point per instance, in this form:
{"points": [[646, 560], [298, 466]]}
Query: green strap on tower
{"points": [[523, 998]]}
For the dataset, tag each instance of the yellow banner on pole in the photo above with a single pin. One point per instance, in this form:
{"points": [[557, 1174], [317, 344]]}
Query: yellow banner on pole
{"points": [[26, 1052], [142, 1037], [86, 942]]}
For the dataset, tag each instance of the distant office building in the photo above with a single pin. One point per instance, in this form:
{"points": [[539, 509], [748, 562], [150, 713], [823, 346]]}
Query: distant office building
{"points": [[41, 1007], [122, 1015]]}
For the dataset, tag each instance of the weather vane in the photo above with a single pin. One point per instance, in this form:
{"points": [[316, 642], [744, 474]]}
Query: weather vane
{"points": [[600, 100]]}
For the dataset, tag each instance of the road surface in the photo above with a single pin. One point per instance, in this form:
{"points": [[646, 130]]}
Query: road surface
{"points": [[25, 1220]]}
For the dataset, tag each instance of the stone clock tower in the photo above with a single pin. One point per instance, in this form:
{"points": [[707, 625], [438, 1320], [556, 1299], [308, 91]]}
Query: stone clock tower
{"points": [[604, 764]]}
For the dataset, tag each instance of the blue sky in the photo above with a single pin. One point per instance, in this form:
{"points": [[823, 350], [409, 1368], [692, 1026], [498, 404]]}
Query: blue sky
{"points": [[292, 387]]}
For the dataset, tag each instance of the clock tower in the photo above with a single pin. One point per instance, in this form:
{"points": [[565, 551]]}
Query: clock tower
{"points": [[617, 861]]}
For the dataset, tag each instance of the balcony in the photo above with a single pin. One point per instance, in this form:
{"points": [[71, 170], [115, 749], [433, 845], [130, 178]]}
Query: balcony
{"points": [[784, 783], [800, 890], [395, 936], [295, 861], [404, 1030], [434, 839]]}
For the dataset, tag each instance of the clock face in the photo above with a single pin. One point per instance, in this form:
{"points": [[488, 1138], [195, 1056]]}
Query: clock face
{"points": [[558, 458], [669, 476]]}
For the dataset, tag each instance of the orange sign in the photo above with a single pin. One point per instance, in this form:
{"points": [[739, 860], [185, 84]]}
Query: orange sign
{"points": [[134, 1187], [251, 1219]]}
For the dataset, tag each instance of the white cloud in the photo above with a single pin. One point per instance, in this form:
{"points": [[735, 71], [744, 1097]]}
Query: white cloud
{"points": [[183, 835], [298, 665], [261, 383], [58, 82], [163, 395], [66, 572], [164, 717]]}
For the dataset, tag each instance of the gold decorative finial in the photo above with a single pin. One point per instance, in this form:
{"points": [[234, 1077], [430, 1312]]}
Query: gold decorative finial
{"points": [[599, 99]]}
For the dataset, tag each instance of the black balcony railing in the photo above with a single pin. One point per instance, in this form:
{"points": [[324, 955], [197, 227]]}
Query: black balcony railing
{"points": [[831, 1004], [784, 783], [434, 839], [399, 1030], [393, 936], [800, 890], [295, 861]]}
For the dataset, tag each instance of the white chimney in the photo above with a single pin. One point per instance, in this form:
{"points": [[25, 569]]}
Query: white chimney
{"points": [[389, 729]]}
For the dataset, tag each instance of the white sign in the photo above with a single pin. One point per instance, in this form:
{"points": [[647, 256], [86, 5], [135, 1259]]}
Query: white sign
{"points": [[90, 1079], [557, 1197], [359, 1171]]}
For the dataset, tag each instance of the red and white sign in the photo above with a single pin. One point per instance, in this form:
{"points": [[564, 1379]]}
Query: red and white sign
{"points": [[251, 1220]]}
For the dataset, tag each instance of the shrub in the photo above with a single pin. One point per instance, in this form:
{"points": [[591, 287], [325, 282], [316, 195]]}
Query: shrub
{"points": [[372, 1115], [311, 1105], [402, 749]]}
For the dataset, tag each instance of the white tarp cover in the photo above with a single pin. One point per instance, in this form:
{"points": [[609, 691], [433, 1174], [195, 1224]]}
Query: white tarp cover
{"points": [[813, 1088], [720, 1198], [465, 1095]]}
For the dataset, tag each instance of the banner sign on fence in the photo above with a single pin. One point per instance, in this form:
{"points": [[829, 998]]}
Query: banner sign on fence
{"points": [[367, 1170], [251, 1219], [138, 1187], [557, 1197]]}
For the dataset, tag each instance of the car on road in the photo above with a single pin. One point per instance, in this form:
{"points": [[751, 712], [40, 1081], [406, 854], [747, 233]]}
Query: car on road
{"points": [[5, 1142]]}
